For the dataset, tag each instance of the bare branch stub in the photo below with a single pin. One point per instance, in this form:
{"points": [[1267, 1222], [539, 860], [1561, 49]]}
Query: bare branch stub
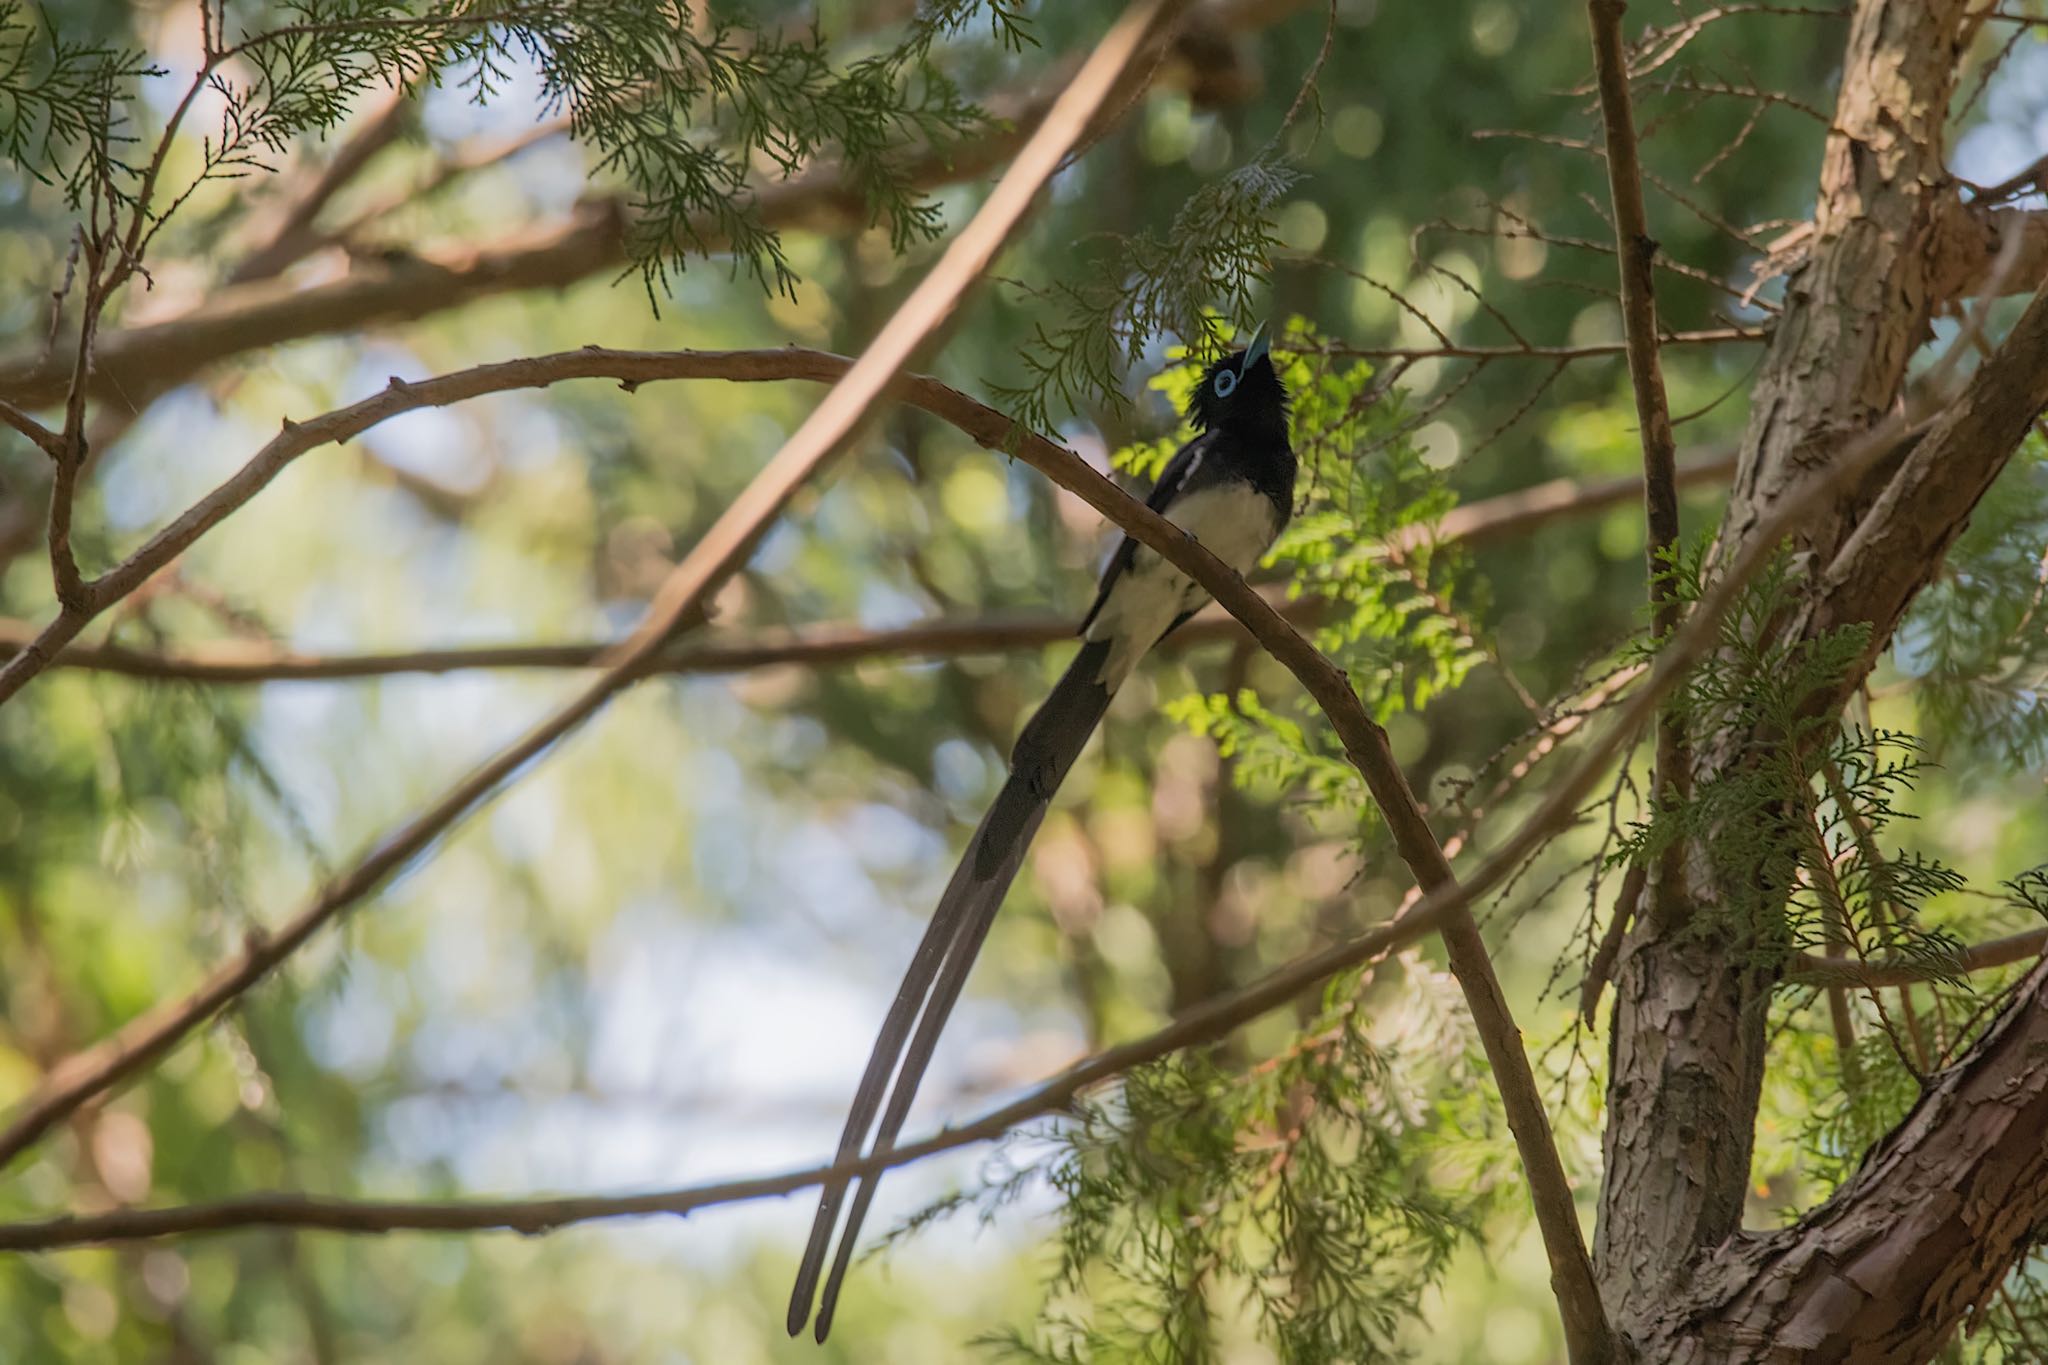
{"points": [[40, 436]]}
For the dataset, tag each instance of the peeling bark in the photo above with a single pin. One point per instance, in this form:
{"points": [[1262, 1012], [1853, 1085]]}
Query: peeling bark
{"points": [[1883, 1272]]}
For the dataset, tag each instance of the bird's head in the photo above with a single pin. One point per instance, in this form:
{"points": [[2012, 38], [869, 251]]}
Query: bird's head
{"points": [[1242, 392]]}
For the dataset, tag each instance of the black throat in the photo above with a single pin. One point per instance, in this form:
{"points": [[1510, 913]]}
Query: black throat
{"points": [[1257, 451]]}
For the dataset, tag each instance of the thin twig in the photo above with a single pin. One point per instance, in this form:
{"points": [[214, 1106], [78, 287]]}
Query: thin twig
{"points": [[39, 435], [1309, 88], [1807, 969], [1866, 847], [1714, 336], [822, 646], [2030, 176], [1637, 253], [1819, 873], [1600, 970], [73, 595]]}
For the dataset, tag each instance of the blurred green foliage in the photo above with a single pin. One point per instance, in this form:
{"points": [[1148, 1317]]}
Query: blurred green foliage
{"points": [[658, 959]]}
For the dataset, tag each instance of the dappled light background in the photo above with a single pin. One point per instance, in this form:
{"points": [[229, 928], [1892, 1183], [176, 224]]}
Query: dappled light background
{"points": [[658, 959]]}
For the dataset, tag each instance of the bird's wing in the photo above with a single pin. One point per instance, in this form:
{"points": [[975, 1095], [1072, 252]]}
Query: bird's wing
{"points": [[1172, 482]]}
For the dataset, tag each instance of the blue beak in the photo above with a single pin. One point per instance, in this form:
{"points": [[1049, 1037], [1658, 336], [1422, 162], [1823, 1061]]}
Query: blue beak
{"points": [[1256, 351]]}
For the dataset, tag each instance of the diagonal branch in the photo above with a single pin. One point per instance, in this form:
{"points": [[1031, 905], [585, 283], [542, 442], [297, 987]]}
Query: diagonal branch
{"points": [[1932, 1220], [820, 646], [40, 436], [284, 235], [1453, 350], [678, 603], [1901, 542]]}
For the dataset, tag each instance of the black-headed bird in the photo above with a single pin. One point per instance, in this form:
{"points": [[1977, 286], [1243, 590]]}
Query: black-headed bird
{"points": [[1232, 489]]}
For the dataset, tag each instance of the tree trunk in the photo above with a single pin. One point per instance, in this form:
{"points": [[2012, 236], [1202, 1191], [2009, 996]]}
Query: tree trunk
{"points": [[1883, 1271]]}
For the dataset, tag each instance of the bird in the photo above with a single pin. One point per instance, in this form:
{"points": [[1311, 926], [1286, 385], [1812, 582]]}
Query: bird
{"points": [[1232, 488]]}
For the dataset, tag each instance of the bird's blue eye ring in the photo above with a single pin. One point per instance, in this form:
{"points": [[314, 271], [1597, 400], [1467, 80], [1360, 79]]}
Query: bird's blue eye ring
{"points": [[1226, 383]]}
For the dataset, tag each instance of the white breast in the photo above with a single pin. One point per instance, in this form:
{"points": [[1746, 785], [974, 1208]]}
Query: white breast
{"points": [[1234, 522]]}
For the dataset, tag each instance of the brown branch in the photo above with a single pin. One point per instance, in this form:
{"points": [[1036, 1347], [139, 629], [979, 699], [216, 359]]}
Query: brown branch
{"points": [[1810, 970], [1971, 239], [2030, 176], [1637, 252], [1934, 1216], [822, 646], [240, 662], [1511, 514], [678, 602], [39, 435], [1600, 970], [1901, 542], [1711, 336]]}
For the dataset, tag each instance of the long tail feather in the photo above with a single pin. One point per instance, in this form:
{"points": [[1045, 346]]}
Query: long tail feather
{"points": [[980, 914], [867, 1099], [1046, 750]]}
